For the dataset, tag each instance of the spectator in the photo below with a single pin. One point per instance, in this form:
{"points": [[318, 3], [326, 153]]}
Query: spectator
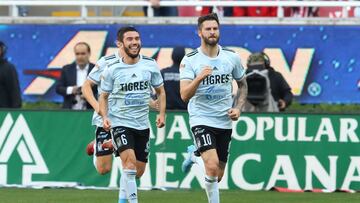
{"points": [[23, 11], [171, 77], [73, 76], [10, 96], [161, 11], [259, 63], [301, 12]]}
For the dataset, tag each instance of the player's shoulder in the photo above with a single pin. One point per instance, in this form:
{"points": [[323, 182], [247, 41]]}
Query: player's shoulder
{"points": [[113, 64], [192, 53], [148, 61], [227, 50], [191, 57], [106, 60], [230, 54], [110, 57]]}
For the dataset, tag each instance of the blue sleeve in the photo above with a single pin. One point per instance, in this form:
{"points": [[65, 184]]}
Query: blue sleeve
{"points": [[238, 71], [107, 81], [186, 70], [156, 78], [95, 73]]}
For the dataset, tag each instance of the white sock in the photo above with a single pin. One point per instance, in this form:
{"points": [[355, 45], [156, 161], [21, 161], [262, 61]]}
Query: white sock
{"points": [[94, 157], [130, 186], [212, 189], [122, 191]]}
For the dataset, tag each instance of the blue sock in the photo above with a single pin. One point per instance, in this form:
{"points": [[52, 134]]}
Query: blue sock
{"points": [[122, 200]]}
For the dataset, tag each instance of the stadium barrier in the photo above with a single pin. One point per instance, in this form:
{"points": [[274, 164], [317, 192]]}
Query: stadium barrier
{"points": [[294, 151], [83, 5]]}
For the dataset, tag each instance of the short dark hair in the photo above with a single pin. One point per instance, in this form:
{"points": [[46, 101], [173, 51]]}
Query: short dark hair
{"points": [[211, 16], [123, 30], [85, 44], [3, 49]]}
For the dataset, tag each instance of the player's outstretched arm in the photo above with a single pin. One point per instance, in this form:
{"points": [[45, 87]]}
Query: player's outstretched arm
{"points": [[103, 105], [188, 87], [239, 99], [89, 94], [160, 121]]}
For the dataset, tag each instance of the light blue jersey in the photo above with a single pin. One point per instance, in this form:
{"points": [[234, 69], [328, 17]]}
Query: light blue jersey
{"points": [[213, 98], [95, 76], [129, 86]]}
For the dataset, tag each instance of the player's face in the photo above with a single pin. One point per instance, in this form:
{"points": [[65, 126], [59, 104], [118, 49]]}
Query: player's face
{"points": [[131, 44], [209, 32], [82, 55]]}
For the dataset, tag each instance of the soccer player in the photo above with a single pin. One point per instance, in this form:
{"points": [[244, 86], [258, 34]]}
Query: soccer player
{"points": [[206, 76], [129, 80], [102, 157]]}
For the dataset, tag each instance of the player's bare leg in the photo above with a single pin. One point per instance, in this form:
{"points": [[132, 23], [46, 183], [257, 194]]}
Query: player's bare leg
{"points": [[211, 162], [140, 168], [222, 166], [102, 164]]}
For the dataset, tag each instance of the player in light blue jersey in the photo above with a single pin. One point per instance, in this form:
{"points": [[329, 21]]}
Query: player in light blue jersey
{"points": [[128, 81], [102, 157], [206, 77]]}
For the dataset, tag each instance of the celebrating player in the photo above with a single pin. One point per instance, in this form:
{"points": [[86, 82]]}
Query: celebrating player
{"points": [[102, 157], [128, 80], [206, 76]]}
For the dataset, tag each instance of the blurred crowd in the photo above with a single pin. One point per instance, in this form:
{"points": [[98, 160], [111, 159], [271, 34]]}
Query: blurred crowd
{"points": [[252, 11]]}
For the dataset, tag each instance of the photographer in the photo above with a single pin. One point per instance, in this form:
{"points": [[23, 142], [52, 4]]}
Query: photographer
{"points": [[268, 89], [73, 76]]}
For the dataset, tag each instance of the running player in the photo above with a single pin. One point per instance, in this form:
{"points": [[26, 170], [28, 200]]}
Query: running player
{"points": [[206, 76], [102, 157], [129, 80]]}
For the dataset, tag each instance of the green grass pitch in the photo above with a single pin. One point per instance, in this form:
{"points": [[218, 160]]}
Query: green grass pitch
{"points": [[12, 195]]}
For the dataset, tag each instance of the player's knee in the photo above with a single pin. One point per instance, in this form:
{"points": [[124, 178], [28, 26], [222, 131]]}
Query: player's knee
{"points": [[103, 170], [130, 164], [103, 167], [212, 167], [220, 176], [139, 171], [221, 170]]}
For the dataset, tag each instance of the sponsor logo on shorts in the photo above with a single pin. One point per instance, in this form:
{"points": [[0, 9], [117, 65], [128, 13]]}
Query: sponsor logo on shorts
{"points": [[121, 131], [99, 146], [102, 135], [147, 149], [118, 142], [198, 131], [198, 142]]}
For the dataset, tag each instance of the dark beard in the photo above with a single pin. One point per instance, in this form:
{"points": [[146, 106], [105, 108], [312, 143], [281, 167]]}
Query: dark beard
{"points": [[211, 43], [127, 51]]}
